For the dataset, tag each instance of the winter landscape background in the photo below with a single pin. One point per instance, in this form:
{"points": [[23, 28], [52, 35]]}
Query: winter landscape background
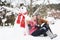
{"points": [[14, 32]]}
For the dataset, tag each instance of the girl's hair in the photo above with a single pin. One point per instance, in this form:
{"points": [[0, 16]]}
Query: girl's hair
{"points": [[35, 14]]}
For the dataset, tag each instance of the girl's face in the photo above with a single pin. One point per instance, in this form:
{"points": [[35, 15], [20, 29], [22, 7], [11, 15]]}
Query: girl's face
{"points": [[38, 17], [34, 17]]}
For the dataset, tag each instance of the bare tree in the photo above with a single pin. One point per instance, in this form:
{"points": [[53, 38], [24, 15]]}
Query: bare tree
{"points": [[30, 7], [42, 8]]}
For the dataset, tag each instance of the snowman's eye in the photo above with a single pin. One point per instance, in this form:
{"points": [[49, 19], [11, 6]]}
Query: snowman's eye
{"points": [[22, 7]]}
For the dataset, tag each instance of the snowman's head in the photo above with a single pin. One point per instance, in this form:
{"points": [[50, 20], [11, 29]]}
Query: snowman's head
{"points": [[23, 9]]}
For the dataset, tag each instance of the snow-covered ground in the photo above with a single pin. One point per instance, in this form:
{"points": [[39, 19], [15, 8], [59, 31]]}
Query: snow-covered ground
{"points": [[16, 33]]}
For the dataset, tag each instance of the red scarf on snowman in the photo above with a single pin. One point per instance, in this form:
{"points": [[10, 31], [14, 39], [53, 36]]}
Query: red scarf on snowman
{"points": [[20, 20]]}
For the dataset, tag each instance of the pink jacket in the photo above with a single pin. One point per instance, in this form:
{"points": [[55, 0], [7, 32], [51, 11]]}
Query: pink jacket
{"points": [[32, 23]]}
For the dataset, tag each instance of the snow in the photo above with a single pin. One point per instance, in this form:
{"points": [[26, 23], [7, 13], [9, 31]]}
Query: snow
{"points": [[46, 2], [37, 2], [51, 20], [8, 14], [15, 10], [17, 33]]}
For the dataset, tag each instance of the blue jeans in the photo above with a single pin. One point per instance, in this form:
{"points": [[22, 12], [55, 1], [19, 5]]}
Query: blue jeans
{"points": [[41, 30]]}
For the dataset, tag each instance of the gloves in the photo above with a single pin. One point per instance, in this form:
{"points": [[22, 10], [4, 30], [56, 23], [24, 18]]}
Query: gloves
{"points": [[37, 26]]}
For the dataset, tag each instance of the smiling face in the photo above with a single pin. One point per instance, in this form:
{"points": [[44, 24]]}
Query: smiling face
{"points": [[34, 17], [38, 17]]}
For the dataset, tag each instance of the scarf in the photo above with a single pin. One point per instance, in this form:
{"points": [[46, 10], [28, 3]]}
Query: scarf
{"points": [[20, 20]]}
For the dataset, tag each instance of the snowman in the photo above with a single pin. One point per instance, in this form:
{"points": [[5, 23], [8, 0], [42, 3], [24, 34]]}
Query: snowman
{"points": [[20, 22]]}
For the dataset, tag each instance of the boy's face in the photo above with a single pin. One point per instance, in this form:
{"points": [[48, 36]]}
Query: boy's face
{"points": [[38, 16]]}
